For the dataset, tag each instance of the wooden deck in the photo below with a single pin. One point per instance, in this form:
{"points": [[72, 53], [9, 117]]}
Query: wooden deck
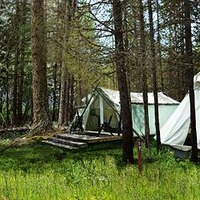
{"points": [[81, 140], [91, 138]]}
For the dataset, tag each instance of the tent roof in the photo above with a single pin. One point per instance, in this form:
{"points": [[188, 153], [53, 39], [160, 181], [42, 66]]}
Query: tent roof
{"points": [[136, 97]]}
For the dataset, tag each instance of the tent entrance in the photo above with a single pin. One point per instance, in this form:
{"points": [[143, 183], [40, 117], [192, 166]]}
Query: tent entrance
{"points": [[100, 113]]}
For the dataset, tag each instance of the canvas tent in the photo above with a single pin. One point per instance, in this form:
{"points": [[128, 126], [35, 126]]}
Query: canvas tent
{"points": [[175, 131], [104, 104]]}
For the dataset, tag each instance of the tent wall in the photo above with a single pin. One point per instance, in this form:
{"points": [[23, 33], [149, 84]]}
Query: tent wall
{"points": [[174, 132], [138, 116]]}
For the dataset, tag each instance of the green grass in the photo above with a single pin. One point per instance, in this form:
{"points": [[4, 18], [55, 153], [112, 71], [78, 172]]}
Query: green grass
{"points": [[48, 173]]}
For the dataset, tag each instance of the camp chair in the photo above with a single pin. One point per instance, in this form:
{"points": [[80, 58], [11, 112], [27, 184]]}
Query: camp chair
{"points": [[77, 125], [106, 127]]}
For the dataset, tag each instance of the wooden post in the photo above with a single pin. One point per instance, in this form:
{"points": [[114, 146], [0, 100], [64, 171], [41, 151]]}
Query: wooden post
{"points": [[139, 156]]}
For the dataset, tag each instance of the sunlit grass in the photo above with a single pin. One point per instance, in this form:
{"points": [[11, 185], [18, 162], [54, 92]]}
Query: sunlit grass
{"points": [[43, 172]]}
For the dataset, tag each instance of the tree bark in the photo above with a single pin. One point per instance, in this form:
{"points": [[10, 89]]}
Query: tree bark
{"points": [[71, 100], [63, 95], [144, 74], [159, 45], [22, 62], [7, 94], [20, 22], [68, 10], [41, 118], [154, 71], [125, 101], [16, 66], [54, 91]]}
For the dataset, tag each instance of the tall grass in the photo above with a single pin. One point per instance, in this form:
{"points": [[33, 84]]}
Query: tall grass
{"points": [[42, 172]]}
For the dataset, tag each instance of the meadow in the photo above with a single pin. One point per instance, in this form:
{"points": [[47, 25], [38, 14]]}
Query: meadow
{"points": [[42, 172]]}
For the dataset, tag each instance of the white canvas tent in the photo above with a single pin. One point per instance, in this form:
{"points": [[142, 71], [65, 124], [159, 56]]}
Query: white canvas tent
{"points": [[175, 131], [104, 104]]}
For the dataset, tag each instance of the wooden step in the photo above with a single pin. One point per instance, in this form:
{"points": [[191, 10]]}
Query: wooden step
{"points": [[75, 137], [60, 145], [89, 138], [68, 142], [78, 141]]}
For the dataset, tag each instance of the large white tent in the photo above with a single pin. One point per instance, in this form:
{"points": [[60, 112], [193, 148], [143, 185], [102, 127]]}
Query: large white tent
{"points": [[104, 104], [175, 131]]}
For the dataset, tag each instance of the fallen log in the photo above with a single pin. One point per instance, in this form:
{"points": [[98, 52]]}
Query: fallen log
{"points": [[13, 129]]}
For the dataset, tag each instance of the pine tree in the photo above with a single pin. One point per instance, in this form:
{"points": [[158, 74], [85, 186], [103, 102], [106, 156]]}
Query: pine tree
{"points": [[127, 132], [41, 119]]}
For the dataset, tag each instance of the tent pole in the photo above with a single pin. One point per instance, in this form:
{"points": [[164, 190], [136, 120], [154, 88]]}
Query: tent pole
{"points": [[101, 110]]}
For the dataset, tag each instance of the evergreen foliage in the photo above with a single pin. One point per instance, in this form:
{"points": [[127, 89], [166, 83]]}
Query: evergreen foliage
{"points": [[88, 55]]}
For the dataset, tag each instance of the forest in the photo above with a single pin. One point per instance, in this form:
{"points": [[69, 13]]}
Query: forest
{"points": [[80, 52], [53, 53]]}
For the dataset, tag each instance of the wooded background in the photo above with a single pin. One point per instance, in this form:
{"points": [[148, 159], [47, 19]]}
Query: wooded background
{"points": [[80, 44]]}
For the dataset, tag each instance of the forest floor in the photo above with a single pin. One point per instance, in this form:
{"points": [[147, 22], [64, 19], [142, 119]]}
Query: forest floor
{"points": [[39, 171]]}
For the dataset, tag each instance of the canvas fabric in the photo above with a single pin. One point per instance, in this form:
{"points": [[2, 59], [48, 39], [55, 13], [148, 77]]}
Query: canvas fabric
{"points": [[175, 131]]}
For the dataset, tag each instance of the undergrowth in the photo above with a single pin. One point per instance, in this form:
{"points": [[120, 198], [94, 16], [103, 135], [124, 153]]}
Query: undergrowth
{"points": [[43, 172]]}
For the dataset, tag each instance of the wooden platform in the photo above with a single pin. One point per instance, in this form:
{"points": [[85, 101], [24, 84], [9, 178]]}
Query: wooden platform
{"points": [[81, 140]]}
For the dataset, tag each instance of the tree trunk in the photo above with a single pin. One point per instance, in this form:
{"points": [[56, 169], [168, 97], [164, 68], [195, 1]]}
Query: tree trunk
{"points": [[127, 156], [80, 93], [54, 92], [62, 115], [67, 98], [7, 94], [159, 46], [67, 10], [22, 62], [71, 100], [20, 22], [41, 117], [16, 66], [153, 63], [190, 73], [63, 95], [144, 74]]}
